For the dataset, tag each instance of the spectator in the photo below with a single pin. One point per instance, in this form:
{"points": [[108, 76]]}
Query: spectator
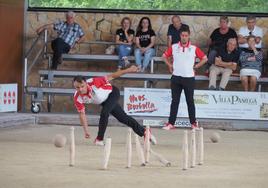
{"points": [[182, 69], [173, 34], [250, 29], [219, 38], [251, 65], [225, 63], [69, 33], [145, 40], [124, 39]]}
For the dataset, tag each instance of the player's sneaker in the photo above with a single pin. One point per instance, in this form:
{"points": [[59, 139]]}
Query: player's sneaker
{"points": [[98, 142], [195, 125], [152, 137], [168, 126]]}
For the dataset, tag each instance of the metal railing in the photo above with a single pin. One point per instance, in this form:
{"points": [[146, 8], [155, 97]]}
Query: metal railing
{"points": [[29, 63], [43, 50]]}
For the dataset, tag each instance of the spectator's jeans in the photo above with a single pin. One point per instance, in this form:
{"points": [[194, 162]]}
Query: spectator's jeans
{"points": [[178, 84], [59, 47], [123, 50], [148, 54], [214, 71]]}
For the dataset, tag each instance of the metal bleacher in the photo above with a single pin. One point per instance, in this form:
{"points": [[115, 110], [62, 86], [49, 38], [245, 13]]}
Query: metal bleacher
{"points": [[105, 58]]}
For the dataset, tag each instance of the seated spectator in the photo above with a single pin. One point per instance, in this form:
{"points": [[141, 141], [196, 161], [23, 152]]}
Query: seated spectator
{"points": [[174, 29], [219, 38], [145, 40], [69, 33], [251, 65], [225, 63], [250, 29], [124, 39]]}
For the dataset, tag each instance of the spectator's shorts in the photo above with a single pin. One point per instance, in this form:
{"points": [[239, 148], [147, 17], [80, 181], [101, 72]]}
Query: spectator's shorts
{"points": [[250, 72]]}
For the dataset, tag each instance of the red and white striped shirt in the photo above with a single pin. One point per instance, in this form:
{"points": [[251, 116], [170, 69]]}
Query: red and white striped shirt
{"points": [[98, 90], [184, 58]]}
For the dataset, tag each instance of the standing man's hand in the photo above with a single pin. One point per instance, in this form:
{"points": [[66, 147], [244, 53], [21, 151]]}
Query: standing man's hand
{"points": [[168, 63], [170, 68]]}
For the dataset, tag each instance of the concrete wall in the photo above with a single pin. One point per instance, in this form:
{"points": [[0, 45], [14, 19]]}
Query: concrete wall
{"points": [[100, 26]]}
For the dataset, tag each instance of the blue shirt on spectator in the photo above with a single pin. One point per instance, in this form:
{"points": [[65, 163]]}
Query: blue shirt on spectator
{"points": [[68, 32]]}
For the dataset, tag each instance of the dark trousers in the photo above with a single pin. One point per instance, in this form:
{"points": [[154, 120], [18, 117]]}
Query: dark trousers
{"points": [[59, 47], [111, 106], [211, 58], [178, 84]]}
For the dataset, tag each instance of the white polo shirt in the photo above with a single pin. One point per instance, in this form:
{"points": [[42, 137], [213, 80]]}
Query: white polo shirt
{"points": [[98, 90], [184, 58], [257, 31]]}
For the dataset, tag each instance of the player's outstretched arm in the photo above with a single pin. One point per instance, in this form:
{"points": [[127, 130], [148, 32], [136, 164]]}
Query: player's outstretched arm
{"points": [[119, 73], [83, 122]]}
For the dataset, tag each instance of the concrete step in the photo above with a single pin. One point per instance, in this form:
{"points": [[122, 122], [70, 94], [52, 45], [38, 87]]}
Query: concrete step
{"points": [[16, 119]]}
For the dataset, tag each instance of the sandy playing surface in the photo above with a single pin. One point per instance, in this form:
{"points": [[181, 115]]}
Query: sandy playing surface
{"points": [[29, 159]]}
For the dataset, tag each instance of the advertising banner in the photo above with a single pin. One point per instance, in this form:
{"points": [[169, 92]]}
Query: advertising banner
{"points": [[8, 97], [209, 104]]}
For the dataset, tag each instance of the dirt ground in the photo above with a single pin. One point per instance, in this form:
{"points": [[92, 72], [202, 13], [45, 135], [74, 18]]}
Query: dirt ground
{"points": [[29, 159]]}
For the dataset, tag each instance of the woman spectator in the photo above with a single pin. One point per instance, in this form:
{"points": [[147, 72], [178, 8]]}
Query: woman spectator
{"points": [[124, 39], [145, 40], [251, 65]]}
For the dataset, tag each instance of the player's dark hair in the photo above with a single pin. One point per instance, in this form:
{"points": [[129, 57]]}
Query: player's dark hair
{"points": [[79, 79], [185, 28]]}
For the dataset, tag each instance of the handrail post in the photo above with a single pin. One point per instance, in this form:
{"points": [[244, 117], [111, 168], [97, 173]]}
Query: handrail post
{"points": [[45, 41], [25, 72]]}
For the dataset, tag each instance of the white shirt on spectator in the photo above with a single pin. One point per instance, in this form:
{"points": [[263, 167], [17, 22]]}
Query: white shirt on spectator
{"points": [[257, 31]]}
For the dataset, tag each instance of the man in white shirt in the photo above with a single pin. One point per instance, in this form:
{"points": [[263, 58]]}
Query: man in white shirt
{"points": [[99, 90], [182, 69], [249, 30]]}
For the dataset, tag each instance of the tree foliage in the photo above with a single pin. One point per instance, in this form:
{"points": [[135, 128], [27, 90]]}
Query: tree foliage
{"points": [[257, 6]]}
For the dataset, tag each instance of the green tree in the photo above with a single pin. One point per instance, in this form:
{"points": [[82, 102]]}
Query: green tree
{"points": [[258, 6]]}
